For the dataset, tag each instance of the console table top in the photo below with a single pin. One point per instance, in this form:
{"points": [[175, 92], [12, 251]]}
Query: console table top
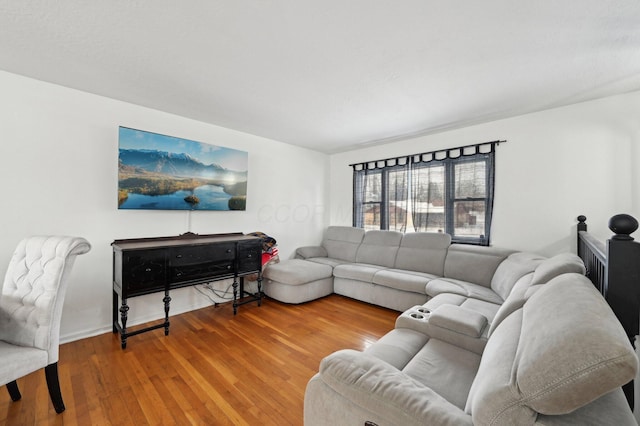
{"points": [[188, 239]]}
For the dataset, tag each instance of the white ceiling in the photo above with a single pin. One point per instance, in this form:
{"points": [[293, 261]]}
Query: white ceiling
{"points": [[330, 75]]}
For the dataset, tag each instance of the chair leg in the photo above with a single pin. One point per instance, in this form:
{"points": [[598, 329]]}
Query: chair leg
{"points": [[14, 392], [51, 373]]}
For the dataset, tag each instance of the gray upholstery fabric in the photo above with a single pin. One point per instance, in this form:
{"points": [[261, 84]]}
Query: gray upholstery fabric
{"points": [[474, 264], [355, 289], [326, 261], [423, 252], [403, 280], [296, 272], [446, 369], [310, 251], [560, 264], [380, 388], [299, 293], [464, 329], [31, 302], [395, 299], [463, 288], [554, 352], [398, 346], [514, 267], [357, 271], [297, 281], [551, 358], [342, 242], [516, 299], [610, 409], [459, 320], [379, 248]]}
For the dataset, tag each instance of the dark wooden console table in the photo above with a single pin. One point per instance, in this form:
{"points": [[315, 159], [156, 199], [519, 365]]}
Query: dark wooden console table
{"points": [[150, 265]]}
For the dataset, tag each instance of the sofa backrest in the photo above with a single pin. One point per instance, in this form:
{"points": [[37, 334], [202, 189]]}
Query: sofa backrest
{"points": [[423, 252], [559, 264], [342, 242], [561, 350], [514, 267], [525, 286], [379, 248], [476, 264]]}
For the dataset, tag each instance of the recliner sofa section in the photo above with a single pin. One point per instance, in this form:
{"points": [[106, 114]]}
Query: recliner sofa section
{"points": [[559, 358]]}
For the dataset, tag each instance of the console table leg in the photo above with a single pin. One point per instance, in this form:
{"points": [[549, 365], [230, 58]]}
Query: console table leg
{"points": [[166, 301], [260, 289], [235, 295], [114, 314], [124, 309]]}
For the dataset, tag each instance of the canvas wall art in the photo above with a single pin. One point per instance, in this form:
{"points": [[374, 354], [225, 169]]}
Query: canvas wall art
{"points": [[160, 172]]}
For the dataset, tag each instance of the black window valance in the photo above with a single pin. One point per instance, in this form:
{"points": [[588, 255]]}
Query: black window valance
{"points": [[425, 157]]}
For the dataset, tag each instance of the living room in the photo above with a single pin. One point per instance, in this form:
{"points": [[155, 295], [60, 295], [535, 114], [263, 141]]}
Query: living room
{"points": [[60, 150]]}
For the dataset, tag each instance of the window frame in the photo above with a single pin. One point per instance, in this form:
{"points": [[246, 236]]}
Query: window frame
{"points": [[452, 158]]}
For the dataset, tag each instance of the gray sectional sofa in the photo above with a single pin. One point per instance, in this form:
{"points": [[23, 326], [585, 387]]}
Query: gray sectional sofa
{"points": [[557, 359], [486, 335], [398, 271]]}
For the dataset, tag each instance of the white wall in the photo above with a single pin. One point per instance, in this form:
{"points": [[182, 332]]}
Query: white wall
{"points": [[556, 165], [59, 167]]}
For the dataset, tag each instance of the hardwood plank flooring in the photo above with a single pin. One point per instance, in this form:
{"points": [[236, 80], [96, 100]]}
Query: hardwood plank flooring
{"points": [[213, 369]]}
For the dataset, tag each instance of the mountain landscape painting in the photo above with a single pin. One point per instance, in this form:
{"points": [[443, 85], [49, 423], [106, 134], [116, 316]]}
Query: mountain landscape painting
{"points": [[159, 172]]}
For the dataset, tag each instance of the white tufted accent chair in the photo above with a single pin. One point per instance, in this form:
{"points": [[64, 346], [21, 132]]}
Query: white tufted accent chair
{"points": [[31, 309]]}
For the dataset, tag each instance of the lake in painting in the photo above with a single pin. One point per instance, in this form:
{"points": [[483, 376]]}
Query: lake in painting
{"points": [[211, 197]]}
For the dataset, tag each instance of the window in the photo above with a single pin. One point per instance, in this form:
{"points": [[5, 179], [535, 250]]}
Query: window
{"points": [[445, 191]]}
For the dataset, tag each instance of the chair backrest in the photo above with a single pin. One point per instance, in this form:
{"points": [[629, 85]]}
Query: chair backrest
{"points": [[34, 289]]}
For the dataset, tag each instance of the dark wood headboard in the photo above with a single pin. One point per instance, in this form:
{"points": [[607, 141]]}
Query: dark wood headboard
{"points": [[614, 268]]}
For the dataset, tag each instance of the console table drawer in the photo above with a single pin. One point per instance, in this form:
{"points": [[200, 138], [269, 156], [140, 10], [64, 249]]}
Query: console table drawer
{"points": [[142, 272], [195, 255], [249, 257], [196, 271]]}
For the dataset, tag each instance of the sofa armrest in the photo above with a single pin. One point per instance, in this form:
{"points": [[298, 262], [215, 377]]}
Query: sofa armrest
{"points": [[389, 394], [310, 251], [458, 319]]}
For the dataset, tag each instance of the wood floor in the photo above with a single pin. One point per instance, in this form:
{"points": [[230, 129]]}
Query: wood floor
{"points": [[213, 369]]}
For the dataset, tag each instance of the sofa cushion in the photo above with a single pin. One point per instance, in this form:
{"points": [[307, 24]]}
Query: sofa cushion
{"points": [[342, 242], [474, 264], [403, 280], [516, 299], [487, 309], [357, 271], [379, 248], [463, 288], [563, 349], [327, 261], [297, 271], [398, 346], [445, 368], [310, 251], [423, 252], [380, 388], [514, 267], [560, 264]]}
